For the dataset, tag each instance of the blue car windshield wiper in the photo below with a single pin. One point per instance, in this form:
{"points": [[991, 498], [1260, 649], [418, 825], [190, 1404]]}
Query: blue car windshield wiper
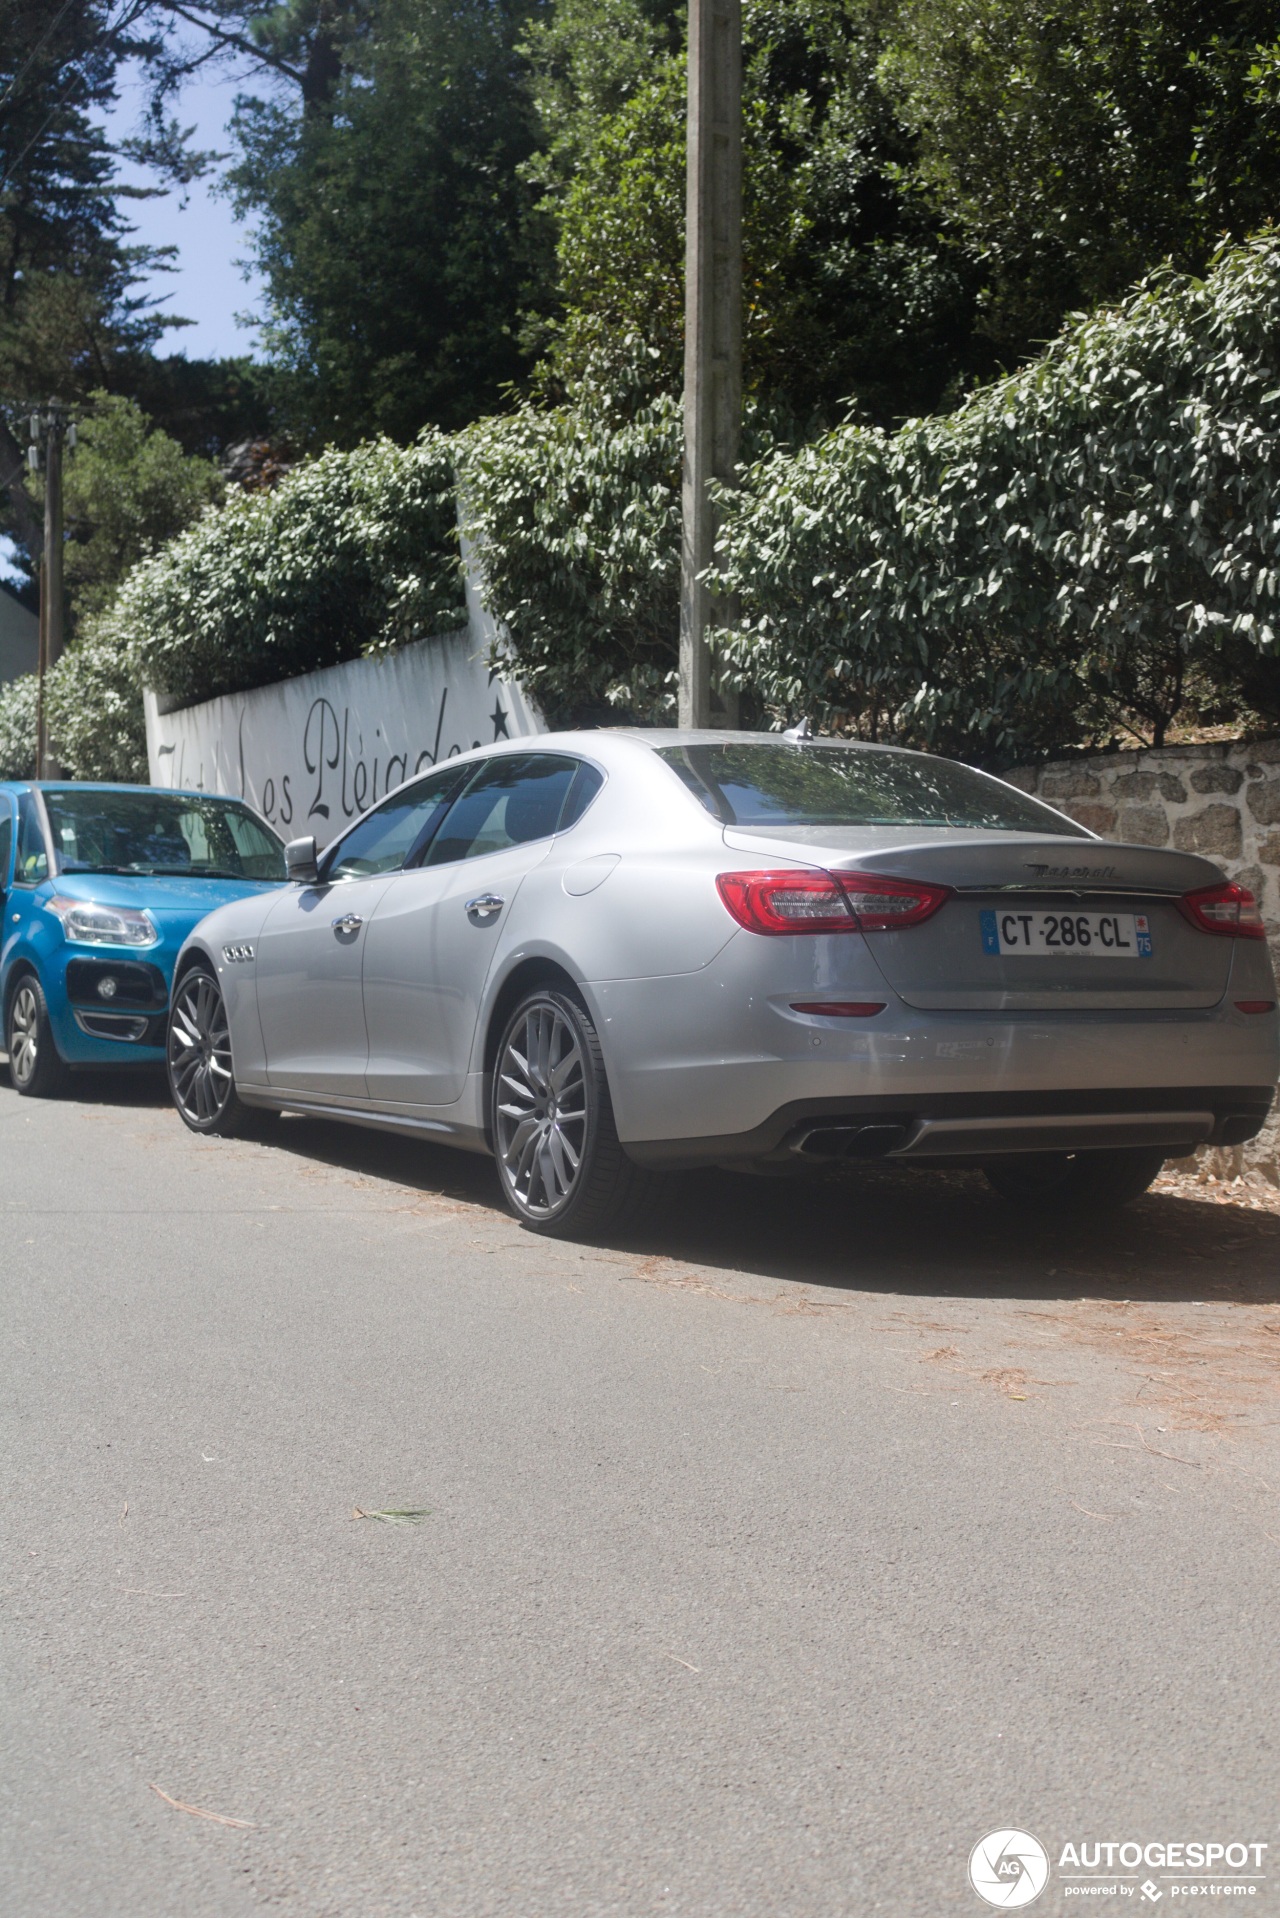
{"points": [[153, 872], [84, 865]]}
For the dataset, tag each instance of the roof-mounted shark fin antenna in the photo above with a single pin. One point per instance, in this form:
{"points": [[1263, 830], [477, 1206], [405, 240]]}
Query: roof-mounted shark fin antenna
{"points": [[798, 734]]}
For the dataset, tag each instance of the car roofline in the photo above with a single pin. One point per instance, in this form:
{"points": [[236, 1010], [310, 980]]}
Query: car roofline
{"points": [[123, 786]]}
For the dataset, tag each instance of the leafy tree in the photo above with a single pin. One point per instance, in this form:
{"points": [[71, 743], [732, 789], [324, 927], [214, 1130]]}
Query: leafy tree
{"points": [[128, 489], [390, 211], [206, 405], [1072, 145], [851, 292], [65, 267], [71, 317]]}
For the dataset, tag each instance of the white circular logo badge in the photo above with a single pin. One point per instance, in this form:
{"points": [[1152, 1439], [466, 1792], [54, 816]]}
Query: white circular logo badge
{"points": [[1008, 1869]]}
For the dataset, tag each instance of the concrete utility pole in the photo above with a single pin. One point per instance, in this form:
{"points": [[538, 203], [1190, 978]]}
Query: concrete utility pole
{"points": [[48, 430], [713, 323]]}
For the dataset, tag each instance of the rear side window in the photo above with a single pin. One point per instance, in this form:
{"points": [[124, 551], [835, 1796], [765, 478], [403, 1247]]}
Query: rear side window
{"points": [[817, 785], [33, 861], [6, 842], [512, 800], [587, 783]]}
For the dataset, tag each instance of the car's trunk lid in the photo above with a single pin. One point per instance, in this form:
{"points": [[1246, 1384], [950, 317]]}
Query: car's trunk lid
{"points": [[946, 964]]}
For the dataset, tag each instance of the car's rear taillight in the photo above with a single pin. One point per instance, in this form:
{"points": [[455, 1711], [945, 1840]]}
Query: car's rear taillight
{"points": [[777, 902], [1229, 910], [885, 905]]}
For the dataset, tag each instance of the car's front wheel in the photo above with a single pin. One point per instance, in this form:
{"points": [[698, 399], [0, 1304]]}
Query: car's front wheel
{"points": [[560, 1165], [198, 1053], [1075, 1182], [36, 1067]]}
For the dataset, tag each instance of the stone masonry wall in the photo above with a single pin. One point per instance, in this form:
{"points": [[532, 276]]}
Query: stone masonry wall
{"points": [[1219, 800]]}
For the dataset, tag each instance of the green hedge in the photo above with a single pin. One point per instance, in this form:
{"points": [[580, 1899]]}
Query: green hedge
{"points": [[1076, 550], [1067, 553], [574, 513], [351, 553], [93, 712]]}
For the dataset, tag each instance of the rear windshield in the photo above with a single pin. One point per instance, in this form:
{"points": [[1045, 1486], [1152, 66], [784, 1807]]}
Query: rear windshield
{"points": [[821, 785], [152, 833]]}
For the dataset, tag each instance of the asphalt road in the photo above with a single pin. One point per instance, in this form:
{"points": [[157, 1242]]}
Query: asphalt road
{"points": [[769, 1561]]}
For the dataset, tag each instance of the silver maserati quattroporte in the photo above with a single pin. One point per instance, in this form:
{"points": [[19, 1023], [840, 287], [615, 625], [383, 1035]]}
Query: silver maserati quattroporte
{"points": [[597, 954]]}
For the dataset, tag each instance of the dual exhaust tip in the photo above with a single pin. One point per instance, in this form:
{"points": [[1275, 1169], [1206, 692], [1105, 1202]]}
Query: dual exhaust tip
{"points": [[850, 1141]]}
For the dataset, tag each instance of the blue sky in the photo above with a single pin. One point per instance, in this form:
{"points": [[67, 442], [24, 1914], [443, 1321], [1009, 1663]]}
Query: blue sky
{"points": [[208, 286]]}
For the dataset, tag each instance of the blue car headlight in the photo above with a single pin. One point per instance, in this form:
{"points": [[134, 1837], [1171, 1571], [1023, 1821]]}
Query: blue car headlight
{"points": [[88, 924]]}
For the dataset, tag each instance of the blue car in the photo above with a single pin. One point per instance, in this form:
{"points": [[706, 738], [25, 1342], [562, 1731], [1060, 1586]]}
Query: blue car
{"points": [[100, 886]]}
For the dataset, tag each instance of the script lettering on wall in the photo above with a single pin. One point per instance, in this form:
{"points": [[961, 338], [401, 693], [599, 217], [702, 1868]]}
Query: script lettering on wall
{"points": [[312, 754]]}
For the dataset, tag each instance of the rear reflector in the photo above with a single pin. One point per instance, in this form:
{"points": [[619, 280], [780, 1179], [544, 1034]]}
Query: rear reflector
{"points": [[1255, 1005], [839, 1008], [1229, 910], [782, 902]]}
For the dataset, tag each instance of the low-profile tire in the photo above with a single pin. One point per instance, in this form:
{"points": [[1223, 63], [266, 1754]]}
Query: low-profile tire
{"points": [[198, 1056], [560, 1166], [1075, 1182], [36, 1067]]}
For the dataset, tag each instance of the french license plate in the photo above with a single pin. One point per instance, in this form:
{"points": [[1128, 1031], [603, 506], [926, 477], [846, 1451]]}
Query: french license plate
{"points": [[1083, 935]]}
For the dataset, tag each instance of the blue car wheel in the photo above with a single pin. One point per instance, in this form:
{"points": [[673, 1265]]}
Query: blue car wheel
{"points": [[36, 1067]]}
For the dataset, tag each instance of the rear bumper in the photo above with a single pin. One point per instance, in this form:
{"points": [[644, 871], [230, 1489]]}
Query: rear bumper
{"points": [[967, 1127]]}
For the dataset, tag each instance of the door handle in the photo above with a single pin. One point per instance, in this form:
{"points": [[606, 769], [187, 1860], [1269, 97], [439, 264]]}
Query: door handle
{"points": [[485, 906], [349, 922]]}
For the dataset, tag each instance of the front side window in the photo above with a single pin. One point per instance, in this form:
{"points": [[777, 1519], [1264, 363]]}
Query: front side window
{"points": [[818, 785], [394, 832], [511, 801], [32, 864], [6, 841], [157, 834]]}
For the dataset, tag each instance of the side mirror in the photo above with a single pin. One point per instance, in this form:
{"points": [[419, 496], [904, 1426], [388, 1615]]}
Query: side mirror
{"points": [[300, 861]]}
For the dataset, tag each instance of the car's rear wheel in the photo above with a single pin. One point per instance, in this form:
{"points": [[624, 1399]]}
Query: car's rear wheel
{"points": [[36, 1067], [1075, 1182], [560, 1165], [198, 1052]]}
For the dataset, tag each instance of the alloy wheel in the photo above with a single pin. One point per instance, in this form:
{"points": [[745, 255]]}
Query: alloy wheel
{"points": [[24, 1030], [200, 1051], [541, 1111]]}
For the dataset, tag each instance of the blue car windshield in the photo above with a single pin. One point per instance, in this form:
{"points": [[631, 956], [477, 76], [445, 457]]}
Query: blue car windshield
{"points": [[816, 784], [183, 835]]}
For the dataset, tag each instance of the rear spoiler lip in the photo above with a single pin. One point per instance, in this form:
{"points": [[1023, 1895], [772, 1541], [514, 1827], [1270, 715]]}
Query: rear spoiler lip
{"points": [[960, 859]]}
